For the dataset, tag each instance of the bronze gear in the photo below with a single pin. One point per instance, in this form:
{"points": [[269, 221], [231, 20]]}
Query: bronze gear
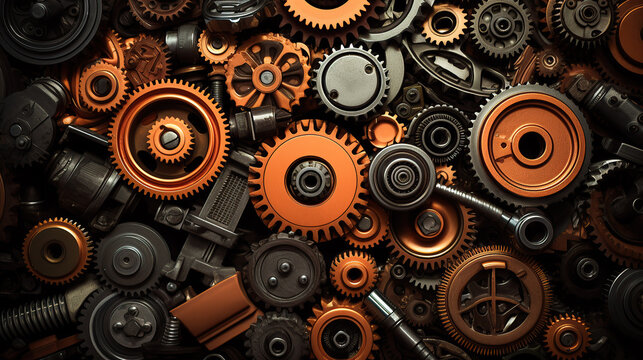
{"points": [[567, 337], [268, 69], [445, 174], [129, 139], [217, 47], [163, 10], [445, 24], [57, 251], [113, 50], [493, 301], [183, 139], [321, 197], [384, 130], [102, 87], [353, 273], [432, 235], [550, 62], [371, 229], [341, 329], [146, 60]]}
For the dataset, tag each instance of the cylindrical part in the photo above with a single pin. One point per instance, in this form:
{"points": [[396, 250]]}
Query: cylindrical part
{"points": [[34, 318], [482, 207], [183, 43], [218, 90], [172, 332]]}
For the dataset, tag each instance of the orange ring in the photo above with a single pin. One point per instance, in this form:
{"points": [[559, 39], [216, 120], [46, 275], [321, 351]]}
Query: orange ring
{"points": [[327, 19]]}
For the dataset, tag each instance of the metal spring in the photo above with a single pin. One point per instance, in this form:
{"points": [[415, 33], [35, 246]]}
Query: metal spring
{"points": [[34, 318], [218, 90], [172, 332]]}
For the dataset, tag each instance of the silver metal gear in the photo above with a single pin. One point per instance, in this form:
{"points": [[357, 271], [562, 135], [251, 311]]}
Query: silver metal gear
{"points": [[481, 170], [599, 170], [113, 326], [394, 22], [130, 258], [439, 130], [427, 281], [351, 82], [501, 22], [285, 271], [278, 336], [586, 24]]}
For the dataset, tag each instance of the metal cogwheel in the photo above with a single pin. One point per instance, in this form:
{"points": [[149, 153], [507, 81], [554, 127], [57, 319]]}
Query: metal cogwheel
{"points": [[532, 163], [131, 257], [113, 326], [285, 271], [278, 335], [586, 24], [501, 28], [624, 292], [567, 337], [351, 81], [441, 131], [394, 22]]}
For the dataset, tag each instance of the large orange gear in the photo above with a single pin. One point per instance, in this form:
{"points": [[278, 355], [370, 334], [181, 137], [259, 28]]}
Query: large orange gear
{"points": [[268, 69], [353, 273], [493, 301], [146, 60], [327, 21], [134, 121], [57, 251], [433, 235], [371, 229], [102, 87], [162, 10], [182, 137], [334, 324], [310, 180], [217, 47], [445, 24], [567, 337]]}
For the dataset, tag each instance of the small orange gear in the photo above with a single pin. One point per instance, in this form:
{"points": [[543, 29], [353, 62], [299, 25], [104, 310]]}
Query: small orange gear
{"points": [[178, 136], [445, 174], [57, 251], [146, 60], [433, 235], [134, 121], [102, 87], [112, 50], [217, 47], [567, 337], [384, 130], [163, 10], [342, 326], [493, 301], [353, 273], [445, 24], [371, 229], [550, 62], [324, 189], [268, 69]]}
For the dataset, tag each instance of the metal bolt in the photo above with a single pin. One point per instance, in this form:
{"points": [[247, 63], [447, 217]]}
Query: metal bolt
{"points": [[429, 223], [101, 86], [171, 287], [365, 223], [267, 77], [633, 129], [412, 95], [272, 281], [341, 339], [174, 215], [303, 280], [15, 130], [612, 100], [403, 110], [38, 10], [398, 271], [170, 139], [285, 267], [23, 142], [568, 338]]}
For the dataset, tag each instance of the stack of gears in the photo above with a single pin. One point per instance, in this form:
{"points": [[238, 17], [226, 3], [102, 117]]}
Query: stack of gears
{"points": [[329, 179]]}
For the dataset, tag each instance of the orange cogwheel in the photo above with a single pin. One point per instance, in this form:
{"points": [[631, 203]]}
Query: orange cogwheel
{"points": [[384, 130], [567, 337], [163, 10], [170, 139], [129, 139], [445, 174], [341, 329], [493, 301], [216, 47], [112, 49], [353, 273], [102, 87], [146, 60], [268, 69], [57, 251], [371, 229], [432, 235], [310, 180], [445, 24]]}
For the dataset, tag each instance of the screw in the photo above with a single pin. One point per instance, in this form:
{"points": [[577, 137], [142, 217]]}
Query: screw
{"points": [[403, 110], [285, 267], [412, 96], [429, 223], [612, 100], [174, 215], [267, 77], [171, 287], [272, 281], [303, 280], [398, 271], [15, 130], [170, 139], [365, 223]]}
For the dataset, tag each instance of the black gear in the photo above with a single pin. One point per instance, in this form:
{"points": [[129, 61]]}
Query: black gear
{"points": [[440, 131], [285, 271], [113, 326], [584, 23], [501, 22], [131, 257], [418, 310], [48, 32], [277, 336], [584, 270], [624, 296], [550, 62], [425, 280]]}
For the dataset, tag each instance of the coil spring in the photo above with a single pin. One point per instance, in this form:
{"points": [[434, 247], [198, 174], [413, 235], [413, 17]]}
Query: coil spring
{"points": [[218, 90], [34, 318], [172, 332]]}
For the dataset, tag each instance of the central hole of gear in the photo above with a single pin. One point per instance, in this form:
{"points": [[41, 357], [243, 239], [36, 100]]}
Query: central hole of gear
{"points": [[550, 60], [568, 338], [443, 22], [588, 268], [277, 347], [54, 252], [267, 77], [536, 232], [503, 25], [419, 309], [326, 4], [588, 12], [101, 86], [354, 274], [310, 181], [532, 145], [441, 137], [341, 339]]}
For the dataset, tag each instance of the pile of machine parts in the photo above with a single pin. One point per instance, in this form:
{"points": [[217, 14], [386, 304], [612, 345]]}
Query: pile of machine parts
{"points": [[326, 179]]}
